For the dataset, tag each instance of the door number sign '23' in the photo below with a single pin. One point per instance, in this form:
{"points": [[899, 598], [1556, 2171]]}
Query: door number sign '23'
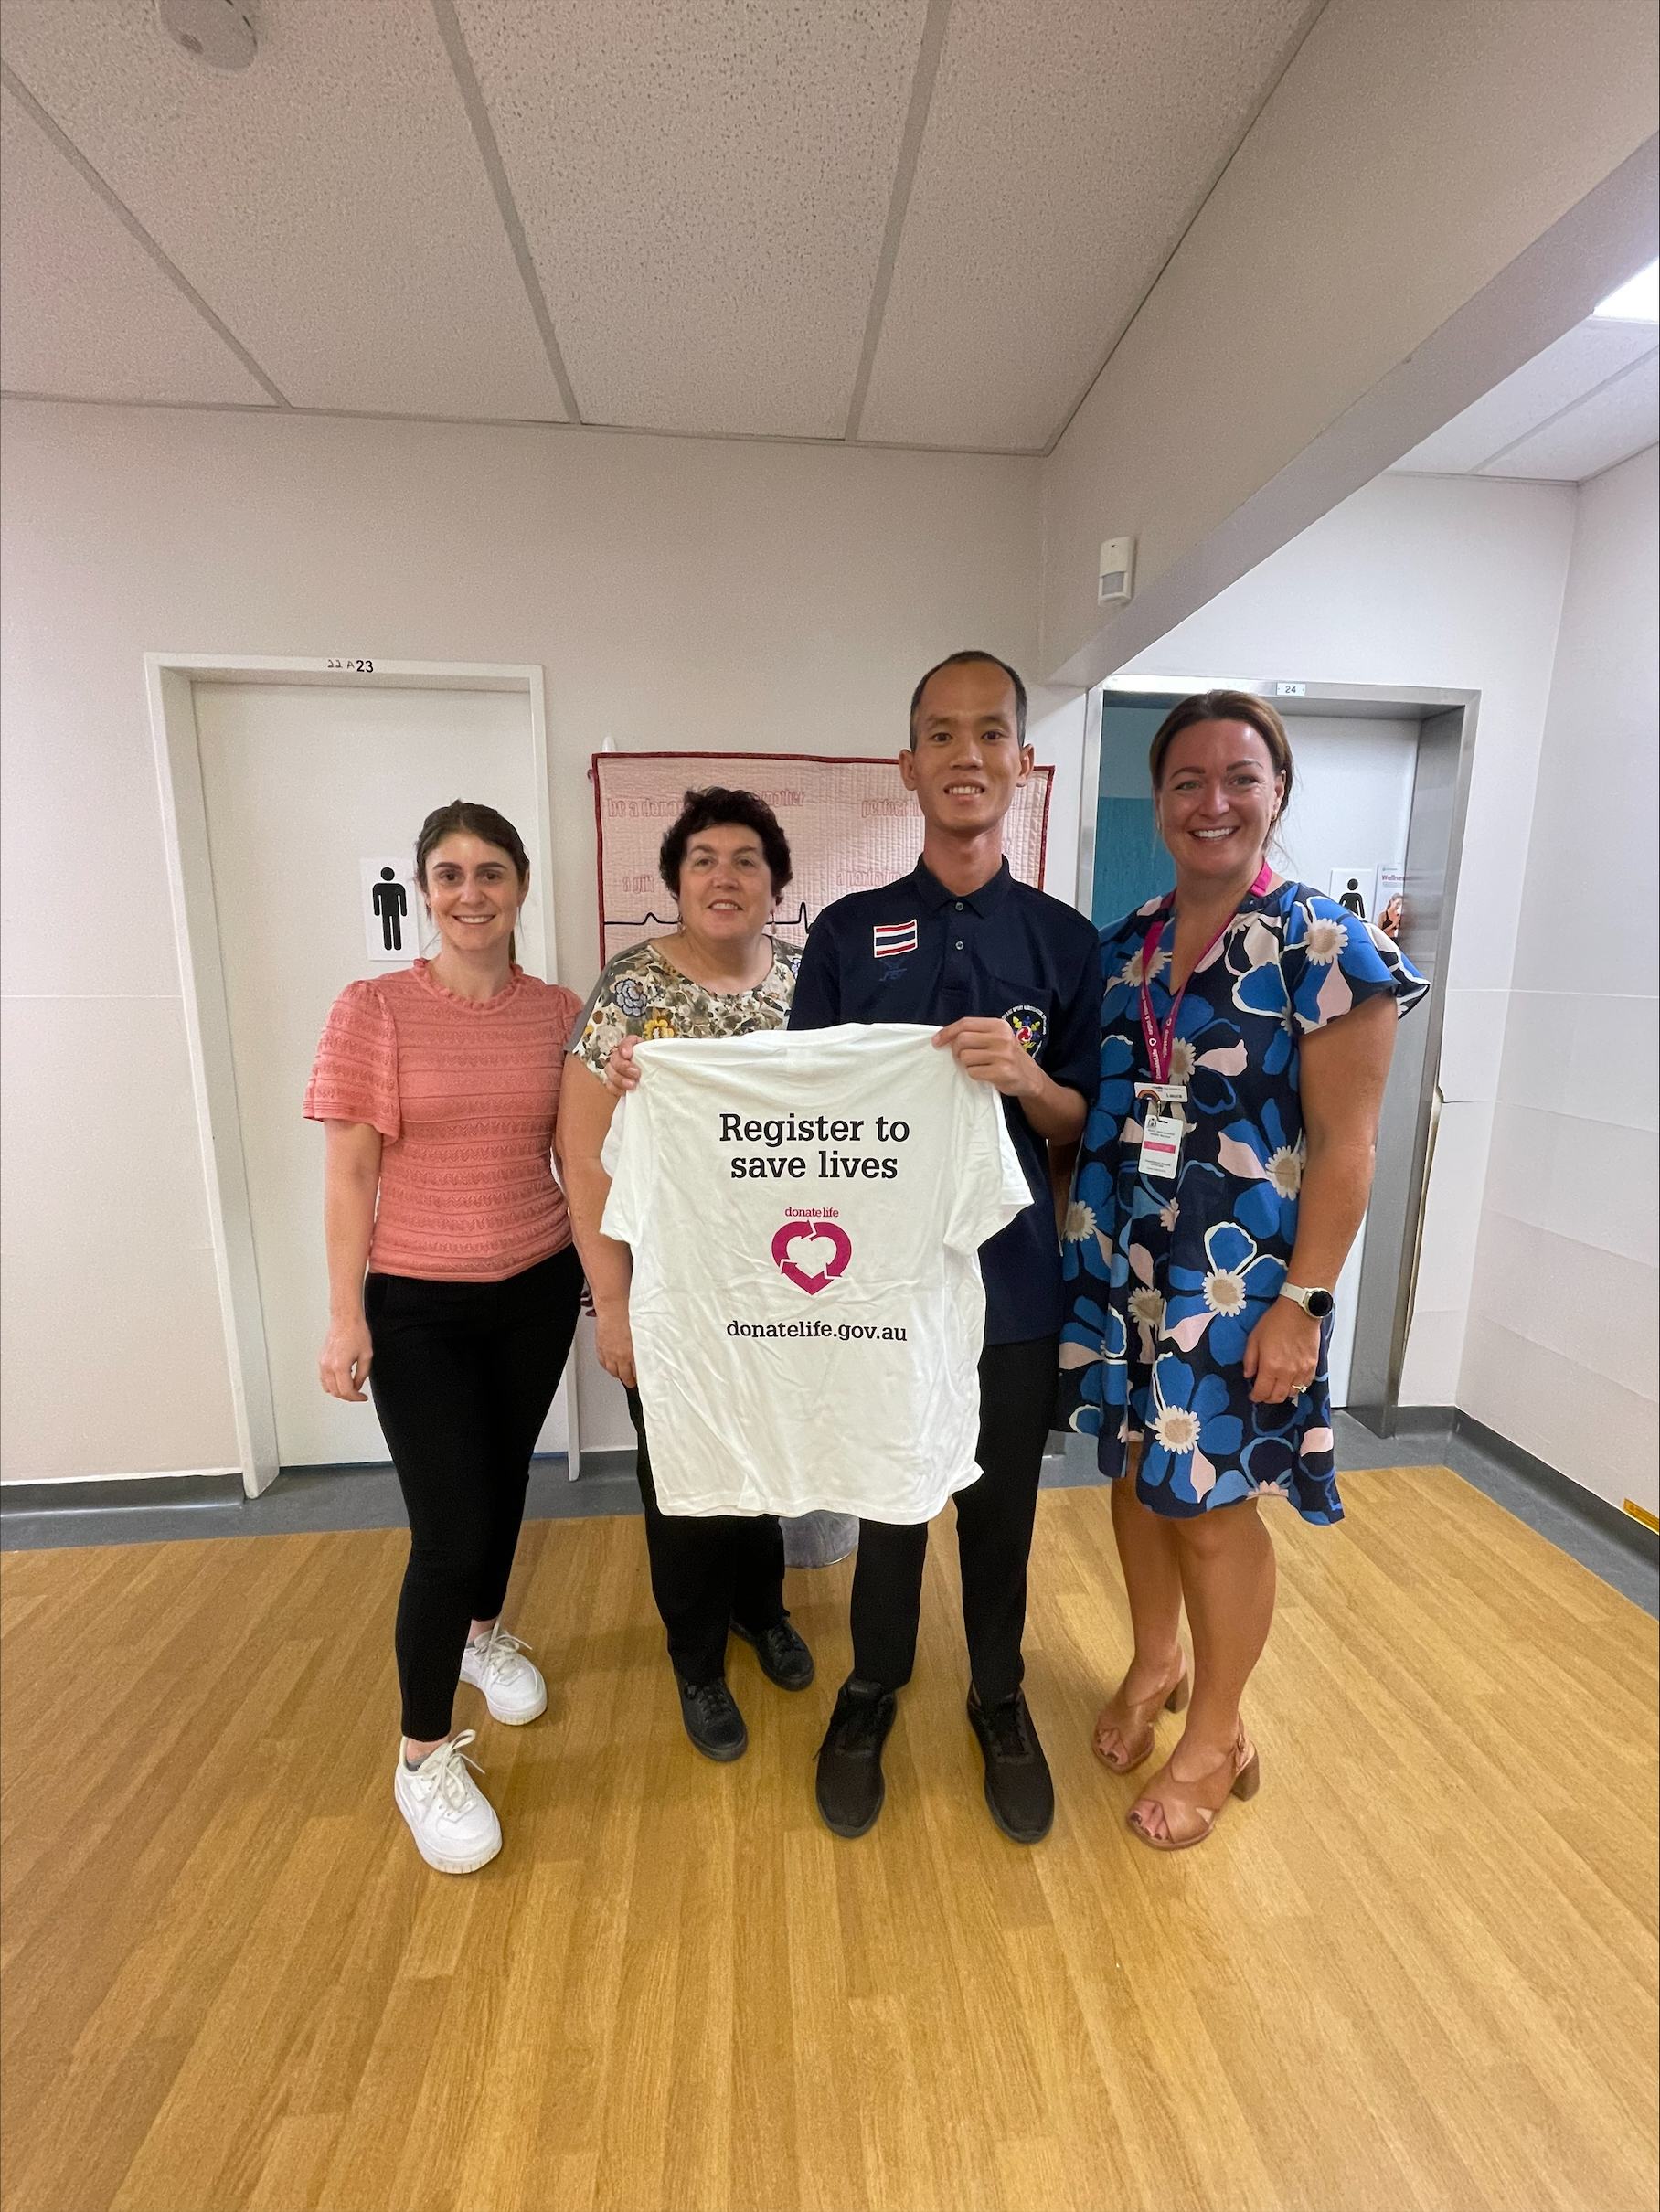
{"points": [[811, 1253]]}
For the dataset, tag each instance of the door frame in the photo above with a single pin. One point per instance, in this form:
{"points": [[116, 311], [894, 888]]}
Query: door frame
{"points": [[1389, 1269], [170, 680]]}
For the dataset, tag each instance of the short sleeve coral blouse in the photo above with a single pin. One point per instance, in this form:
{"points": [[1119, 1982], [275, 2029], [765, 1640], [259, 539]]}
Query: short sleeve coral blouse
{"points": [[463, 1093]]}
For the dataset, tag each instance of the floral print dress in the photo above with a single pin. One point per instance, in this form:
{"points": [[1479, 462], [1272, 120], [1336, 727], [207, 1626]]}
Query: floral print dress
{"points": [[1166, 1280], [640, 993]]}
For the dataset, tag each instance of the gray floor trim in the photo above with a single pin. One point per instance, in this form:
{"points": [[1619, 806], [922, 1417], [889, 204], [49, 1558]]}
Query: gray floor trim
{"points": [[301, 1501], [1617, 1549], [44, 1517]]}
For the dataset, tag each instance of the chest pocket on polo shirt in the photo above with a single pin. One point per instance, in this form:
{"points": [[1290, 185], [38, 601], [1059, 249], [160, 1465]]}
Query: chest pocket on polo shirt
{"points": [[1027, 1010]]}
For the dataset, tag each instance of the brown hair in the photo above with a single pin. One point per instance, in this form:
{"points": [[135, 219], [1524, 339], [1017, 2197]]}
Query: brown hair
{"points": [[1226, 707], [468, 818], [717, 808]]}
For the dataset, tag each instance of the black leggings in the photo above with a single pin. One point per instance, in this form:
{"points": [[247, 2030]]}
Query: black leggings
{"points": [[707, 1571], [994, 1519], [463, 1377]]}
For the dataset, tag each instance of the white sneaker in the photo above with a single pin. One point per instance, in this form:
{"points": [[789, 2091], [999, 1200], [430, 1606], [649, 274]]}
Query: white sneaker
{"points": [[453, 1824], [514, 1690]]}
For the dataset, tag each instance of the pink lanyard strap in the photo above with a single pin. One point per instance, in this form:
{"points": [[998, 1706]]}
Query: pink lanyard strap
{"points": [[1161, 1038]]}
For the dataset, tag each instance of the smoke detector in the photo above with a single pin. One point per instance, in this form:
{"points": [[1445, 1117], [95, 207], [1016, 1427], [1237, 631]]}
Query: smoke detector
{"points": [[219, 32]]}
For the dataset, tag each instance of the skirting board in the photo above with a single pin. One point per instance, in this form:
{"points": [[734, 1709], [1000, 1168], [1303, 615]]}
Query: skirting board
{"points": [[43, 1515], [1629, 1529], [184, 1493], [39, 1515]]}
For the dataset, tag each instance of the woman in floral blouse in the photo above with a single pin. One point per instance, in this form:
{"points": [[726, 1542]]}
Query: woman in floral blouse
{"points": [[1247, 1026], [720, 973]]}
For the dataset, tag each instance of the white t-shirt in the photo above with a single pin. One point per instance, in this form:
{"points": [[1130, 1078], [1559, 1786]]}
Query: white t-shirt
{"points": [[805, 1209]]}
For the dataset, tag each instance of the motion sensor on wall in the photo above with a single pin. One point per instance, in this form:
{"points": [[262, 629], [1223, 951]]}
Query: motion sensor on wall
{"points": [[1117, 582]]}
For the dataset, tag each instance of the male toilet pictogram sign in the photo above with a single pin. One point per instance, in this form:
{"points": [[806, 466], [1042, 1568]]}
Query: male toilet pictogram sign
{"points": [[392, 913], [391, 902]]}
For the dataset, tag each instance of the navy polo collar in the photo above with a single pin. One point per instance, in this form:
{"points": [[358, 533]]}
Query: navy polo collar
{"points": [[983, 902]]}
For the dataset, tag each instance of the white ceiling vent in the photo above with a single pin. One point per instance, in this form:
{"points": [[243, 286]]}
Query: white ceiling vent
{"points": [[217, 32]]}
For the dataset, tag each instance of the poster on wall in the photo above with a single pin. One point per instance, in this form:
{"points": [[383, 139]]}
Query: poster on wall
{"points": [[1391, 900], [851, 825]]}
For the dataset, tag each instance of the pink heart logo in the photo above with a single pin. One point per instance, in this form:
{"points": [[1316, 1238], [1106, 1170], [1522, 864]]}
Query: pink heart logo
{"points": [[815, 1235]]}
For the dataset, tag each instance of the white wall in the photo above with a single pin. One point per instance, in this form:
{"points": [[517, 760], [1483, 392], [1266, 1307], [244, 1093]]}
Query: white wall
{"points": [[1444, 582], [678, 594], [1561, 1350], [1433, 191]]}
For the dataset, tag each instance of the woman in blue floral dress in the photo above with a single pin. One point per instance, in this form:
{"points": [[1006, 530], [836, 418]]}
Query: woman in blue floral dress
{"points": [[1209, 1224]]}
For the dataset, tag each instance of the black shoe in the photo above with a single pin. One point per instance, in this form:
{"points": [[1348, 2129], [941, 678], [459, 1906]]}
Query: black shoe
{"points": [[1018, 1790], [712, 1720], [784, 1657], [850, 1786]]}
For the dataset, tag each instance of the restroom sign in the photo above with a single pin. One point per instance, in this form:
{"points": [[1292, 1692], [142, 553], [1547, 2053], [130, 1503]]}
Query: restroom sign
{"points": [[1356, 890], [391, 910]]}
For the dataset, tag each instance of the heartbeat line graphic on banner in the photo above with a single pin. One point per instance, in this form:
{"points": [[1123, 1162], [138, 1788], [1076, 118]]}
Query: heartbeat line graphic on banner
{"points": [[851, 825], [647, 923]]}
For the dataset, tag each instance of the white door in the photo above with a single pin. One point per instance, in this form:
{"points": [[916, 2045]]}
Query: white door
{"points": [[1347, 818], [304, 786]]}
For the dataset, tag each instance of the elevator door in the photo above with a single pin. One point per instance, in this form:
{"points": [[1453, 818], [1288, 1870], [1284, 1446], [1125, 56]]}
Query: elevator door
{"points": [[1350, 806], [1349, 810], [302, 787]]}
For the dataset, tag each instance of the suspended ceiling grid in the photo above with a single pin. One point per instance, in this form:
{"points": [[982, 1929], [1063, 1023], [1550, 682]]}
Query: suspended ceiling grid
{"points": [[911, 222], [902, 222], [1588, 401]]}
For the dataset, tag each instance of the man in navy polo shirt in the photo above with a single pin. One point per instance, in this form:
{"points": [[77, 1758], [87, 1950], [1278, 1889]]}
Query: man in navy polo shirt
{"points": [[1012, 977]]}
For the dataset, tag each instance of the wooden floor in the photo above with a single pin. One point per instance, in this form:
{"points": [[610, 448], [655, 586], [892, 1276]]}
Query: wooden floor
{"points": [[1417, 1971]]}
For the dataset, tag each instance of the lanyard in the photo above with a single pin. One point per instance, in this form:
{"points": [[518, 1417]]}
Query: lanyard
{"points": [[1160, 1040]]}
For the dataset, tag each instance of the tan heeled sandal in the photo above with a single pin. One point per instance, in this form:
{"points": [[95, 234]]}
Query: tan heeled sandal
{"points": [[1168, 1795], [1134, 1730]]}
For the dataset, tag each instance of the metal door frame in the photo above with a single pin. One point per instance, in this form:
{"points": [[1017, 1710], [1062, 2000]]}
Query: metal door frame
{"points": [[1435, 837]]}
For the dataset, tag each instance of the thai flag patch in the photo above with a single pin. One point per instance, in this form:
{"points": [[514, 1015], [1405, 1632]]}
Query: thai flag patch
{"points": [[892, 938]]}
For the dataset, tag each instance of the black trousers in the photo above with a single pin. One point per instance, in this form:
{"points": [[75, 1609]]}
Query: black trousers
{"points": [[707, 1571], [463, 1377], [994, 1519]]}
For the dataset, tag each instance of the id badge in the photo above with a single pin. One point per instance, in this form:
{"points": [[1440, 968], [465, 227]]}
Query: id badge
{"points": [[1161, 1146]]}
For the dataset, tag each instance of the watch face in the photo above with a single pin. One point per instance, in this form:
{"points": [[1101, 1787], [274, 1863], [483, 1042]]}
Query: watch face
{"points": [[1320, 1303]]}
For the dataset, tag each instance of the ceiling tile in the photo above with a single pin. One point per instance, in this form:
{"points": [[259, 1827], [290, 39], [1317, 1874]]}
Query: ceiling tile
{"points": [[1609, 425], [1583, 358], [89, 314], [703, 189], [328, 202], [1068, 145]]}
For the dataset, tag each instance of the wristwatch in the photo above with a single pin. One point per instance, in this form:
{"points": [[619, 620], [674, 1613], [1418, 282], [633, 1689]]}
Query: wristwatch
{"points": [[1316, 1304]]}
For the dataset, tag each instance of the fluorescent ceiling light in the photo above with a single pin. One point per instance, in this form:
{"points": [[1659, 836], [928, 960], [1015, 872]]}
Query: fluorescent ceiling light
{"points": [[1637, 299]]}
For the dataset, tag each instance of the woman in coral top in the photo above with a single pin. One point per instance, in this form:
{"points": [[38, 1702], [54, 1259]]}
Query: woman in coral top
{"points": [[453, 1286]]}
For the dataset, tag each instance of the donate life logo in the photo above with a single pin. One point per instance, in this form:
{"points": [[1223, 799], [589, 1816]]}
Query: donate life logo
{"points": [[811, 1254]]}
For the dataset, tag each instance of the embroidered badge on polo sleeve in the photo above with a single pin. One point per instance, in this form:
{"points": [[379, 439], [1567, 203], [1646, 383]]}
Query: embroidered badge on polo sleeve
{"points": [[889, 939]]}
